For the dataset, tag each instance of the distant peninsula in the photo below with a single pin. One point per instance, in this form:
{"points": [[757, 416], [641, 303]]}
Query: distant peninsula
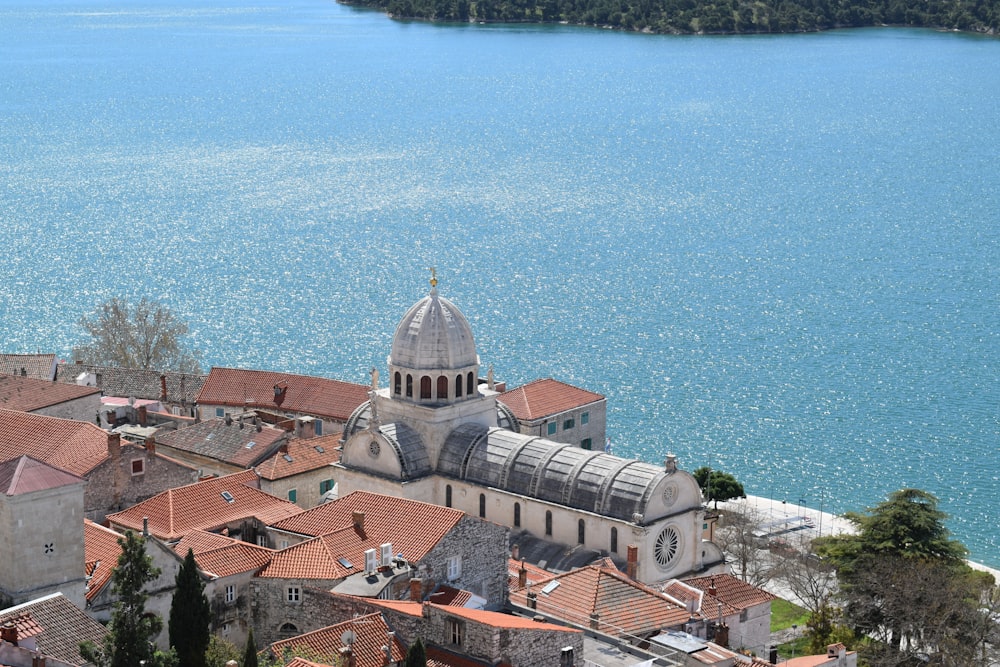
{"points": [[700, 17]]}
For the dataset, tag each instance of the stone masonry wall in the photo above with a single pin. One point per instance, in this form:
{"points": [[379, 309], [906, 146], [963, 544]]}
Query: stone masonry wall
{"points": [[112, 487], [483, 547]]}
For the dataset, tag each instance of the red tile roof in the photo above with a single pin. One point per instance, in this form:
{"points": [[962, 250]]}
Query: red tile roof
{"points": [[494, 619], [438, 657], [305, 455], [101, 550], [413, 527], [370, 632], [222, 556], [304, 394], [202, 506], [547, 397], [624, 606], [450, 596], [26, 475], [731, 591], [77, 447], [535, 573], [28, 394]]}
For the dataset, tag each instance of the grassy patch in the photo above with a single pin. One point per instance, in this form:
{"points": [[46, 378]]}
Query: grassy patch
{"points": [[784, 615], [794, 649]]}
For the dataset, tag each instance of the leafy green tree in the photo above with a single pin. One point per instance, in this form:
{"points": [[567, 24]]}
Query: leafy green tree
{"points": [[718, 485], [221, 651], [416, 656], [190, 615], [250, 653], [129, 640], [145, 335], [905, 584]]}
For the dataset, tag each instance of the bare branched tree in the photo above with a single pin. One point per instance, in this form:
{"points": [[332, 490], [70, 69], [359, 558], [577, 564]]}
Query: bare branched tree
{"points": [[145, 335], [739, 537]]}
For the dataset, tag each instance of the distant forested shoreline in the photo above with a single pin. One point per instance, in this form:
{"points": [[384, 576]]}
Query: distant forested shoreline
{"points": [[719, 17]]}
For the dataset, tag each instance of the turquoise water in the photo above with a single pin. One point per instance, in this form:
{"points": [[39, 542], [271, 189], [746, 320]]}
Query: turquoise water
{"points": [[775, 255]]}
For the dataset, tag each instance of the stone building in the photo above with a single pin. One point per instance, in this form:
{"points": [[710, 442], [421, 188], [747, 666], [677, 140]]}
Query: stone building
{"points": [[38, 366], [41, 521], [439, 434], [43, 397], [302, 470], [175, 391], [559, 412], [117, 474], [370, 545]]}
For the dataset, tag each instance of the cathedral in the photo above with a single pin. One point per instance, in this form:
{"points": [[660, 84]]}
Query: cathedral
{"points": [[439, 434]]}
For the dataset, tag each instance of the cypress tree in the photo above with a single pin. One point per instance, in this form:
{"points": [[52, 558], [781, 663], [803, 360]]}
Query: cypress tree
{"points": [[416, 656], [190, 615], [250, 654]]}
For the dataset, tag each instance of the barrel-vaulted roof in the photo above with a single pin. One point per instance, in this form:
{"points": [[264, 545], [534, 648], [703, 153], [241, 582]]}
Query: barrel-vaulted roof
{"points": [[550, 471]]}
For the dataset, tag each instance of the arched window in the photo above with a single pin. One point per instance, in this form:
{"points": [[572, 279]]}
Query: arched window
{"points": [[398, 383], [581, 534], [447, 495], [548, 523], [470, 384], [517, 515], [482, 505], [458, 386], [614, 540], [425, 387], [442, 387], [288, 630], [409, 385]]}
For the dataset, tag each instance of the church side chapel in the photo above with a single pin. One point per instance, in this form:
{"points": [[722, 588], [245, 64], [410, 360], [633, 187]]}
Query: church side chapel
{"points": [[438, 434]]}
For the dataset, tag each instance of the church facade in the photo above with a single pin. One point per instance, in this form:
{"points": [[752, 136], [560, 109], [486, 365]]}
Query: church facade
{"points": [[438, 434]]}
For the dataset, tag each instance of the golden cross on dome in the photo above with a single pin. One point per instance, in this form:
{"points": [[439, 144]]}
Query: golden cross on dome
{"points": [[434, 278]]}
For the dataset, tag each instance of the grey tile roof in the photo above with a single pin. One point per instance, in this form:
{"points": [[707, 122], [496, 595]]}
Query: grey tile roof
{"points": [[148, 384], [63, 624], [38, 366]]}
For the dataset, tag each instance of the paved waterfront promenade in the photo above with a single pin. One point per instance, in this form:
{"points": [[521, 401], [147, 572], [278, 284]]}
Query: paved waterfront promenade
{"points": [[790, 520]]}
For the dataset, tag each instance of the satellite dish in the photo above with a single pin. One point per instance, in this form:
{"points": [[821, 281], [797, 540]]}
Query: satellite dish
{"points": [[348, 637]]}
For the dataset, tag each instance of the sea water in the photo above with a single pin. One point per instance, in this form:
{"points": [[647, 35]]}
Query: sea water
{"points": [[775, 255]]}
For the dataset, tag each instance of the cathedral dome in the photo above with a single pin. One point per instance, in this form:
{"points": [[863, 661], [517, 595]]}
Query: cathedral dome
{"points": [[433, 335]]}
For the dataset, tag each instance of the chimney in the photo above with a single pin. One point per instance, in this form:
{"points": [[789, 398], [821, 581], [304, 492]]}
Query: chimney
{"points": [[145, 526], [283, 448], [632, 566], [347, 657], [38, 661], [711, 588], [722, 635], [595, 621], [532, 600], [8, 632], [772, 655], [163, 387], [229, 419], [151, 445], [359, 521], [305, 427], [566, 658], [416, 589], [515, 552], [114, 445], [141, 410], [425, 610], [522, 576], [387, 649]]}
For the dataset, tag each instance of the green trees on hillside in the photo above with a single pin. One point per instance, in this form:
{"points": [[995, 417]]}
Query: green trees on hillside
{"points": [[710, 16]]}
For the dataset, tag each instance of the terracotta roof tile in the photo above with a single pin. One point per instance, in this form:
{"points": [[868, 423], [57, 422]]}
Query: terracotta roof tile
{"points": [[547, 397], [625, 606], [731, 591], [302, 662], [29, 394], [223, 556], [439, 657], [411, 526], [450, 596], [77, 447], [38, 366], [101, 550], [26, 475], [236, 443], [63, 625], [371, 633], [305, 455], [205, 506], [316, 396], [535, 573]]}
